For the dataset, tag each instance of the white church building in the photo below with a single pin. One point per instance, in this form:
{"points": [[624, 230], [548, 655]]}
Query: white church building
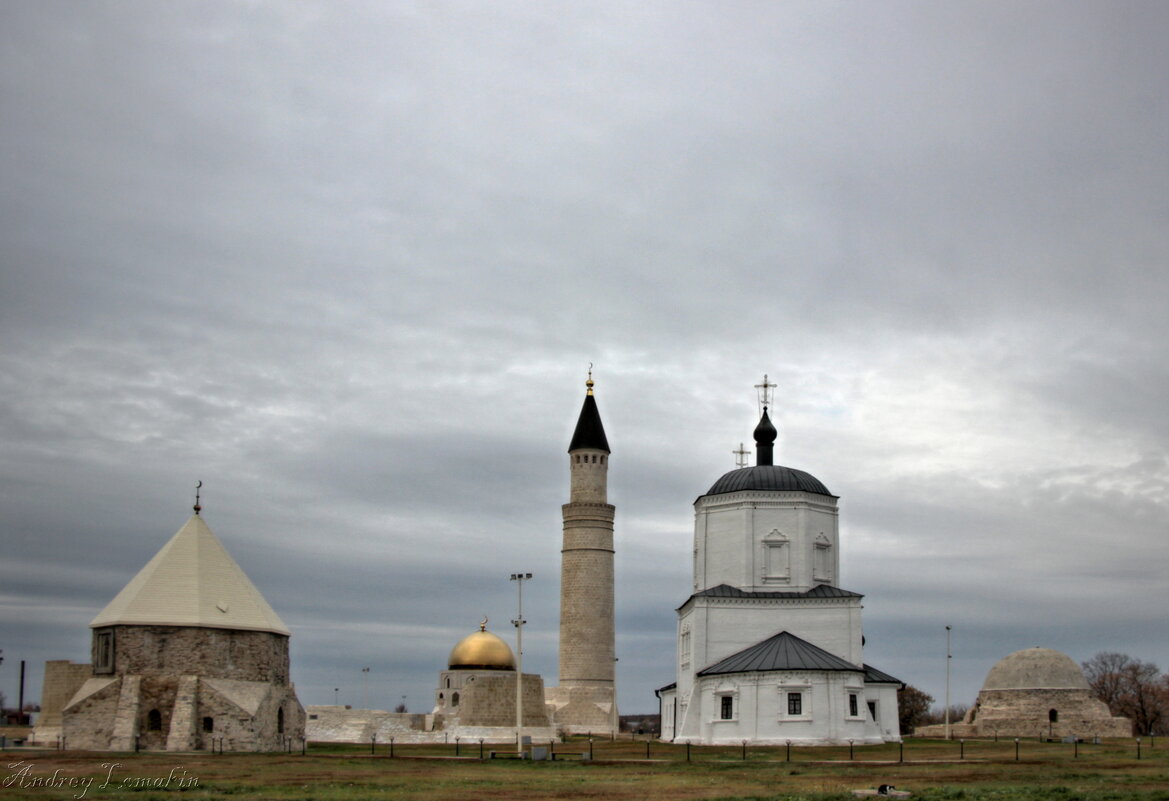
{"points": [[770, 649]]}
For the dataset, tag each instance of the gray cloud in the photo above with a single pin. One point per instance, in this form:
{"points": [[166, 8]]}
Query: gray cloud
{"points": [[347, 263]]}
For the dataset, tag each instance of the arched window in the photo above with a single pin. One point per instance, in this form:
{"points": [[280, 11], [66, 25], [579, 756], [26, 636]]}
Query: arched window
{"points": [[154, 720], [454, 699], [208, 724], [280, 720]]}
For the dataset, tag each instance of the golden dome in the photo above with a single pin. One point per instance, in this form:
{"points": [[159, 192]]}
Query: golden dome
{"points": [[481, 650]]}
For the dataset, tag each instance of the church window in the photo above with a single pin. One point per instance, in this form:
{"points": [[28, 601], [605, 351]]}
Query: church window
{"points": [[1052, 716], [454, 699], [776, 550], [873, 711], [822, 560], [154, 720], [103, 651], [448, 682], [853, 705], [280, 720], [795, 703], [726, 707], [208, 724], [685, 648]]}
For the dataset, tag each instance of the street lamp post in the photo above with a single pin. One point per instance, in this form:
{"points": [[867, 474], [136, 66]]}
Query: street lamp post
{"points": [[519, 579], [949, 657], [365, 688]]}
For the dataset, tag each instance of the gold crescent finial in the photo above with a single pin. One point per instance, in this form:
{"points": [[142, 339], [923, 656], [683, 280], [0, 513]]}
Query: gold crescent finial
{"points": [[483, 624], [198, 508], [589, 383]]}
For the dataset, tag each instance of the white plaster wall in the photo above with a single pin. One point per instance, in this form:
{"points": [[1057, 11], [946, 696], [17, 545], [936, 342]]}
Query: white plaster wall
{"points": [[722, 627], [729, 532]]}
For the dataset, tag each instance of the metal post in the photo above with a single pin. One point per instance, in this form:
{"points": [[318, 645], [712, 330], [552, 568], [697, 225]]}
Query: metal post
{"points": [[850, 750], [647, 749], [457, 745], [949, 657], [519, 579], [391, 748], [590, 748], [789, 750], [961, 749], [687, 751], [372, 743], [1138, 748], [901, 751], [744, 750], [1016, 749], [480, 749]]}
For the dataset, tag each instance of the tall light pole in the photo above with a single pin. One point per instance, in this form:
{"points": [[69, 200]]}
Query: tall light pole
{"points": [[365, 688], [519, 579], [949, 658]]}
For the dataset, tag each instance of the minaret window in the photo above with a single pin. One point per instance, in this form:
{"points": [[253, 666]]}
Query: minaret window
{"points": [[154, 720]]}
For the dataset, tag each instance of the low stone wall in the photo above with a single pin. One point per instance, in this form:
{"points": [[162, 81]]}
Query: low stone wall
{"points": [[338, 724]]}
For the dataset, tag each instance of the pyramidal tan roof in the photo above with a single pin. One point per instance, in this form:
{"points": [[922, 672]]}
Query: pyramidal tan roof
{"points": [[192, 581]]}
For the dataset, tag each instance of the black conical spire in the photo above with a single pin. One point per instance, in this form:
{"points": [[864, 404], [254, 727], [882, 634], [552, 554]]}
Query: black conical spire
{"points": [[589, 433], [765, 435]]}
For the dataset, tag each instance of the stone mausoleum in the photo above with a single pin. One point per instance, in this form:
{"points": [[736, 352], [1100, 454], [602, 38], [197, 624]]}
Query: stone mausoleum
{"points": [[187, 656], [1035, 692]]}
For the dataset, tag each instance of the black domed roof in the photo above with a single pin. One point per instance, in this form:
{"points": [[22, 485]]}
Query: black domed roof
{"points": [[768, 477]]}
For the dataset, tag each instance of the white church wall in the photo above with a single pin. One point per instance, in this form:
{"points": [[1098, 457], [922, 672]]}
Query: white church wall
{"points": [[731, 542], [721, 628]]}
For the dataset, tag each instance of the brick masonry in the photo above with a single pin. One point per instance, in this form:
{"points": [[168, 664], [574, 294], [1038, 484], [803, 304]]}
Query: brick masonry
{"points": [[185, 688]]}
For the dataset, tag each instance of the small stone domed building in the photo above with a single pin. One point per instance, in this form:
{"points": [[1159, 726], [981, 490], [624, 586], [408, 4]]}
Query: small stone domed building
{"points": [[187, 656], [477, 691], [1033, 692]]}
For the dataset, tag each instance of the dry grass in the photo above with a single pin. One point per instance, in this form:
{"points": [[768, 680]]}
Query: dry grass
{"points": [[619, 772]]}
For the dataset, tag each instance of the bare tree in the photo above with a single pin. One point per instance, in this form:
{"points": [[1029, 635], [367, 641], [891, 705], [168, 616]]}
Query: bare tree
{"points": [[913, 706], [1131, 688]]}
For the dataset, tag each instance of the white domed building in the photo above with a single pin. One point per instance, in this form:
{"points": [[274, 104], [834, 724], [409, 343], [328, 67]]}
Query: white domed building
{"points": [[1036, 692], [770, 647]]}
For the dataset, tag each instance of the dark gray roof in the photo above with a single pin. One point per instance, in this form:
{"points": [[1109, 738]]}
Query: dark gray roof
{"points": [[784, 651], [772, 477], [819, 591], [589, 432], [874, 676]]}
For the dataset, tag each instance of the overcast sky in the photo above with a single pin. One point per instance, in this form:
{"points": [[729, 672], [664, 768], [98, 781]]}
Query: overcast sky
{"points": [[348, 263]]}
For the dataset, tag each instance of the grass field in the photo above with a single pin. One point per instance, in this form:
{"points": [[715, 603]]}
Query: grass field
{"points": [[619, 771]]}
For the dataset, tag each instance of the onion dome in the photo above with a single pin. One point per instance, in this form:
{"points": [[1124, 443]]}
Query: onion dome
{"points": [[481, 650], [1036, 669], [766, 475]]}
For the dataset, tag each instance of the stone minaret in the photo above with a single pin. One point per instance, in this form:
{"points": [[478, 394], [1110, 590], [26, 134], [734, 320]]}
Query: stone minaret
{"points": [[586, 581]]}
